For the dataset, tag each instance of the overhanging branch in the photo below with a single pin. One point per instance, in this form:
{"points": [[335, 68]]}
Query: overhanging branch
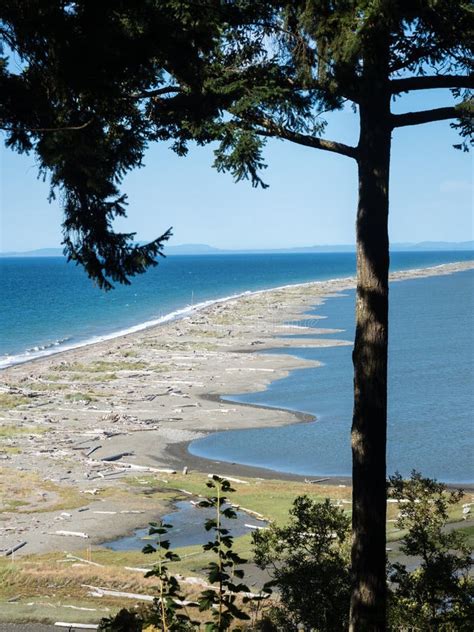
{"points": [[312, 141], [426, 116], [156, 93], [67, 128], [412, 57], [270, 129], [430, 82]]}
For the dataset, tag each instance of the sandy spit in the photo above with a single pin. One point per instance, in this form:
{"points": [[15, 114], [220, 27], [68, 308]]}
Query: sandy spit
{"points": [[144, 396]]}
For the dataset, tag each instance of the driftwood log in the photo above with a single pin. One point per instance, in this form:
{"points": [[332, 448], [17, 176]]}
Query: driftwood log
{"points": [[12, 550]]}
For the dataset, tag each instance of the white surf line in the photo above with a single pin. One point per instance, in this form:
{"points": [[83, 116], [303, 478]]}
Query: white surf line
{"points": [[184, 312]]}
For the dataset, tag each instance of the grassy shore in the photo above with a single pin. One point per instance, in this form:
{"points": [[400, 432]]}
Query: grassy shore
{"points": [[54, 586]]}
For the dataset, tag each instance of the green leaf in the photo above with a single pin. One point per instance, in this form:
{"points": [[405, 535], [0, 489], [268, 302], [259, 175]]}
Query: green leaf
{"points": [[206, 601]]}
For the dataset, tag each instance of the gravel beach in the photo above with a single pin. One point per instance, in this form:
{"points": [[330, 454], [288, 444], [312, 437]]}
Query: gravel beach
{"points": [[74, 424]]}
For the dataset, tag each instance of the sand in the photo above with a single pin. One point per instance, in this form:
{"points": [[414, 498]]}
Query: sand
{"points": [[146, 395]]}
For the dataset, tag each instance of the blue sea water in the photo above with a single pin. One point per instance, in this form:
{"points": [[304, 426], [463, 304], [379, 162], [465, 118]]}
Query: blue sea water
{"points": [[48, 305], [431, 391]]}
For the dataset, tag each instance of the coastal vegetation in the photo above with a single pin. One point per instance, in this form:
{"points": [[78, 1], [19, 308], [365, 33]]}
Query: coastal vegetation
{"points": [[298, 564], [112, 79], [100, 366], [12, 400], [309, 564], [27, 493]]}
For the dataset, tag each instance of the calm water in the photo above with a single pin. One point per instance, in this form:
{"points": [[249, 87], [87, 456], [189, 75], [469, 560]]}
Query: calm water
{"points": [[431, 391], [187, 523], [48, 305]]}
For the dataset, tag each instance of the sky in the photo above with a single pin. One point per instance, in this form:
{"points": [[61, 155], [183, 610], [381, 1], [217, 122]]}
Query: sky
{"points": [[311, 200]]}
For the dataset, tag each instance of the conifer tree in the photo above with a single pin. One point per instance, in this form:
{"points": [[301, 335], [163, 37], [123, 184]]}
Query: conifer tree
{"points": [[315, 56]]}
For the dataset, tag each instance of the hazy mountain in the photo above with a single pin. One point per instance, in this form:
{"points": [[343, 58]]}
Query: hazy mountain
{"points": [[424, 245], [204, 249], [192, 249], [435, 245], [41, 252]]}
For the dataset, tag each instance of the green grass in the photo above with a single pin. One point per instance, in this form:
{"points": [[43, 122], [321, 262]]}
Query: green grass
{"points": [[46, 610], [80, 397], [129, 354], [40, 597], [21, 492], [85, 377], [100, 366], [11, 400], [41, 387], [468, 531], [272, 498], [9, 449], [11, 505], [11, 430]]}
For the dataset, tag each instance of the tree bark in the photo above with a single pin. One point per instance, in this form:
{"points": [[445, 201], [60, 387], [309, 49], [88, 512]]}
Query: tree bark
{"points": [[369, 424]]}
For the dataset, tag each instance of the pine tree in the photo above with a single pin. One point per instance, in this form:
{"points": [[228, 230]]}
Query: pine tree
{"points": [[315, 56]]}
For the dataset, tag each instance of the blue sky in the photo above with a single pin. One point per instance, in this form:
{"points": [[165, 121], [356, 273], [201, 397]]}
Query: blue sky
{"points": [[311, 200]]}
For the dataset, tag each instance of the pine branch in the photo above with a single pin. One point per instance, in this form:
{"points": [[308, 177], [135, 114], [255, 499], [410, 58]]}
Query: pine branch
{"points": [[430, 82], [273, 130], [146, 94], [413, 57], [46, 129], [346, 92], [428, 116]]}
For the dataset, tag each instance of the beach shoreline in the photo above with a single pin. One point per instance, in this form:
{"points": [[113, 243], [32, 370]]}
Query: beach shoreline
{"points": [[146, 395], [55, 349]]}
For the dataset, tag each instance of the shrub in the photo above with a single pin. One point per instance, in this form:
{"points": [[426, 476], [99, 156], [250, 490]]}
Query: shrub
{"points": [[309, 562], [438, 594]]}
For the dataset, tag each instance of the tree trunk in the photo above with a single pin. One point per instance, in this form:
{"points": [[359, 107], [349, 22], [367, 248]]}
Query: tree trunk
{"points": [[369, 424]]}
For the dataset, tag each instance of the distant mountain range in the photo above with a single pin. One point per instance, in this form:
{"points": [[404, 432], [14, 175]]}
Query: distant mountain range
{"points": [[204, 249], [41, 252]]}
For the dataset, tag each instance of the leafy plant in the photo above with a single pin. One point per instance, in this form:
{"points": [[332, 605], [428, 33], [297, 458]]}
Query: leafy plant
{"points": [[165, 614], [169, 602], [124, 621], [223, 572], [168, 613], [439, 593]]}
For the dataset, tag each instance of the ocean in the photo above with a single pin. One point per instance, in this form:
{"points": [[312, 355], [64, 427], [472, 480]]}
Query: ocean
{"points": [[49, 306]]}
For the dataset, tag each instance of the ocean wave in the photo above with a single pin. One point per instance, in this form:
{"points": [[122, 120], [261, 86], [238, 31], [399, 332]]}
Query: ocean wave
{"points": [[62, 344], [49, 345]]}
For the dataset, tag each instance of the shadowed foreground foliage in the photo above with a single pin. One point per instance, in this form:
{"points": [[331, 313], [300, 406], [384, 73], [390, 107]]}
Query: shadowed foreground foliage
{"points": [[439, 593], [308, 560]]}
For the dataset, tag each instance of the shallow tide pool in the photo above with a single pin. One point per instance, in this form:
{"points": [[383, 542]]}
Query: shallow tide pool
{"points": [[188, 528]]}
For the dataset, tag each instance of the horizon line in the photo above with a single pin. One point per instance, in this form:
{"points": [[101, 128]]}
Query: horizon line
{"points": [[195, 245]]}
